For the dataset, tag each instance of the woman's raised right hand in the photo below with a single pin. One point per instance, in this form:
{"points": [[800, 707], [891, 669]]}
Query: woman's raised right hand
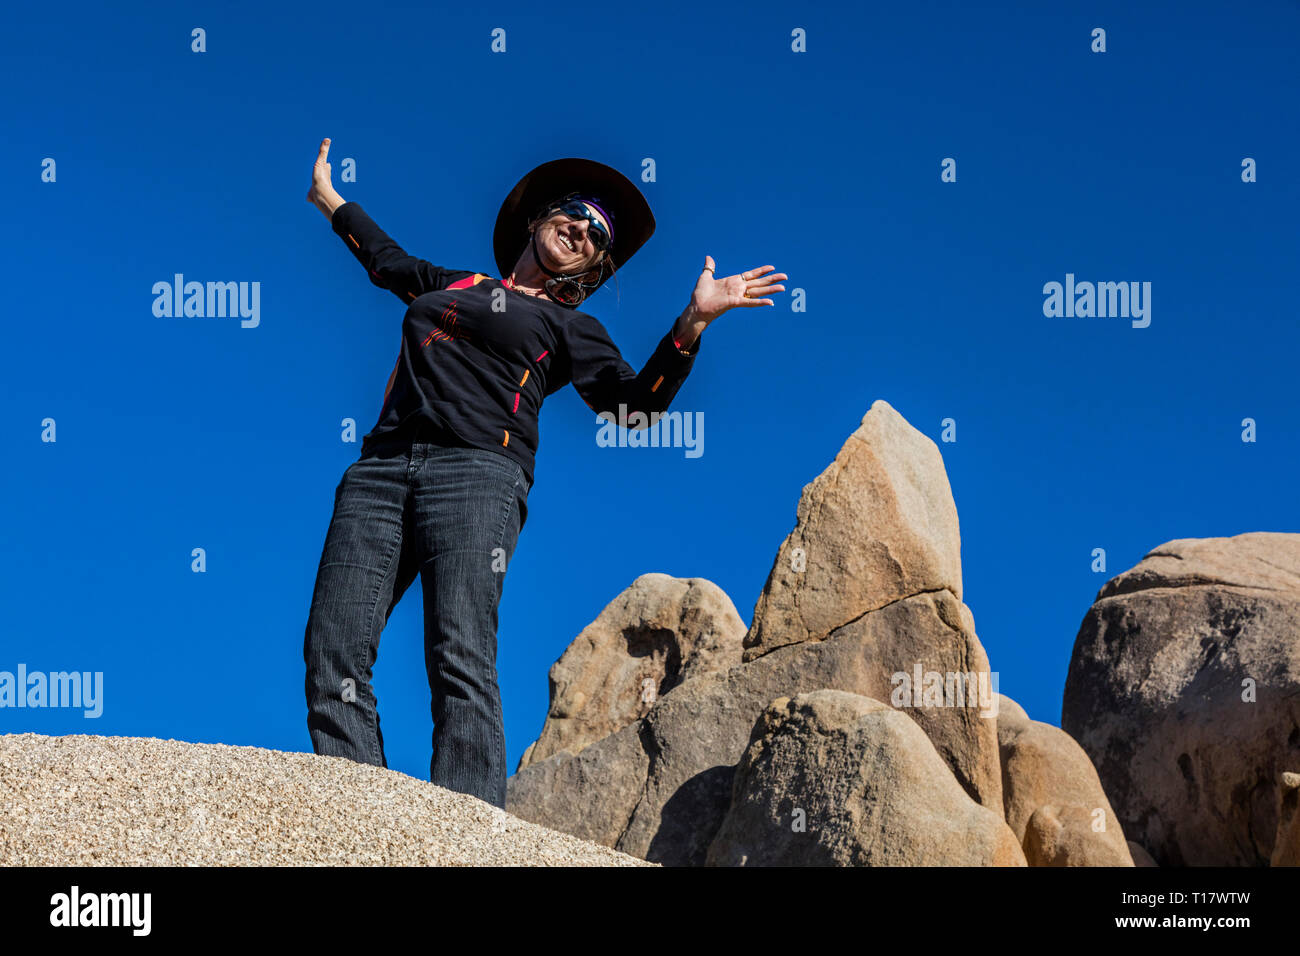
{"points": [[322, 194]]}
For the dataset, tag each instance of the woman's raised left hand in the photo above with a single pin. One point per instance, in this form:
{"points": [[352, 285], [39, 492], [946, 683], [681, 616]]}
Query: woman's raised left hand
{"points": [[713, 295]]}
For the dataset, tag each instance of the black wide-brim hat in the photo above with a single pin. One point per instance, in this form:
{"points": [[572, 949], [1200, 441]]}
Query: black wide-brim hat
{"points": [[633, 221]]}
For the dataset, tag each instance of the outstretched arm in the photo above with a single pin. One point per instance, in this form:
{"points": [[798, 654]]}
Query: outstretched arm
{"points": [[387, 264], [604, 379]]}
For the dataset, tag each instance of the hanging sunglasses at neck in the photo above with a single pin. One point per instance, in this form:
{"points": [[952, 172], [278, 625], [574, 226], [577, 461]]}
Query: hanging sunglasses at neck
{"points": [[568, 290], [564, 288]]}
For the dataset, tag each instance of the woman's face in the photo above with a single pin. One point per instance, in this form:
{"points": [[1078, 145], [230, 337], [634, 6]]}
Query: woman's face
{"points": [[564, 245]]}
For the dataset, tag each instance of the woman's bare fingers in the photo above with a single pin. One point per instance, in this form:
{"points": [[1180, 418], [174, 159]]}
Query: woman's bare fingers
{"points": [[761, 284], [320, 172]]}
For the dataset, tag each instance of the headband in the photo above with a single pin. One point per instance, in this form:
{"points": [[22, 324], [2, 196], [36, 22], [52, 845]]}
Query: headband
{"points": [[594, 202]]}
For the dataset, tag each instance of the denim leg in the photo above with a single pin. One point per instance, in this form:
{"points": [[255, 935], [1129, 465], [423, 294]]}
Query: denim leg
{"points": [[366, 566], [469, 509]]}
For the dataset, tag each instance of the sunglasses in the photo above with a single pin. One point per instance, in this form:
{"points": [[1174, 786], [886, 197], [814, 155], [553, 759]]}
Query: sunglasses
{"points": [[596, 230]]}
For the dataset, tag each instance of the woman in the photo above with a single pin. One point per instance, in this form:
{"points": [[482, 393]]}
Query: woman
{"points": [[442, 482]]}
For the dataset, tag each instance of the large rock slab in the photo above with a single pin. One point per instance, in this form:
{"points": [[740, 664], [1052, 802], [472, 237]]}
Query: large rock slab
{"points": [[693, 737], [1184, 690], [1043, 768], [90, 801], [878, 525], [659, 632], [836, 779]]}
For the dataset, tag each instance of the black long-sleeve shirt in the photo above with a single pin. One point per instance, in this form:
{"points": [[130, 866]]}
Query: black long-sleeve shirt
{"points": [[478, 358]]}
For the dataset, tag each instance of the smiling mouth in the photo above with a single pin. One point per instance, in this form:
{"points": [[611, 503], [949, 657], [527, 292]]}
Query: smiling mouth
{"points": [[565, 241]]}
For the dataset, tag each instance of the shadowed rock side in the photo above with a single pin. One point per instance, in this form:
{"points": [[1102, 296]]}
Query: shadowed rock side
{"points": [[1184, 689], [1286, 845], [836, 779], [1140, 856], [659, 632]]}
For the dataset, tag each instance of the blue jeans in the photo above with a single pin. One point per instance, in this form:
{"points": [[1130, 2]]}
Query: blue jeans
{"points": [[453, 515]]}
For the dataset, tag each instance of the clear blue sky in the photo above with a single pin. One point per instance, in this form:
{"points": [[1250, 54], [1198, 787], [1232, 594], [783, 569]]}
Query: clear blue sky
{"points": [[1073, 433]]}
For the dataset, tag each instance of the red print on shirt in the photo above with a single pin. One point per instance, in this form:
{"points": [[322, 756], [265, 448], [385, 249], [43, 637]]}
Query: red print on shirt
{"points": [[445, 329]]}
